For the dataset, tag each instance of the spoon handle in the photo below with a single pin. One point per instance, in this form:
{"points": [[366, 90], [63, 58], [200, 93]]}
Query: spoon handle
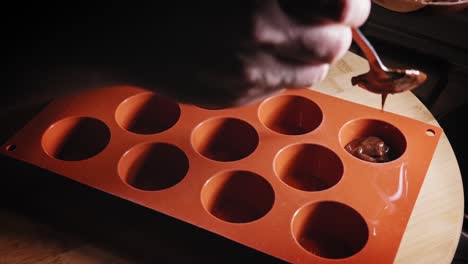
{"points": [[371, 55]]}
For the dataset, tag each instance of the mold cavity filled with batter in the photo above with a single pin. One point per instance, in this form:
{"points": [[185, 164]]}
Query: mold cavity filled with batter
{"points": [[371, 148], [372, 140]]}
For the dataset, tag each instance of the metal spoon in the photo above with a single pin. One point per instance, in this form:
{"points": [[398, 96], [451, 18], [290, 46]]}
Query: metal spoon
{"points": [[383, 80]]}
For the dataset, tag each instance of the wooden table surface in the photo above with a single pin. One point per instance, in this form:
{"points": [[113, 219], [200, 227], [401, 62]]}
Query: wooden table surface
{"points": [[50, 219]]}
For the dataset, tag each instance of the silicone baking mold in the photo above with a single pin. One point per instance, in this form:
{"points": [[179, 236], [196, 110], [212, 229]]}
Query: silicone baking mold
{"points": [[273, 175]]}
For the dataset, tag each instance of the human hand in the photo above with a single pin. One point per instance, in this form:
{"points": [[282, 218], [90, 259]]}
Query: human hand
{"points": [[210, 53], [245, 56]]}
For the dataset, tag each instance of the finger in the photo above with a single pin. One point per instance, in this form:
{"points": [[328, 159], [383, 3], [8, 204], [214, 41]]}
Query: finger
{"points": [[356, 12], [313, 45], [349, 12], [267, 72], [272, 82]]}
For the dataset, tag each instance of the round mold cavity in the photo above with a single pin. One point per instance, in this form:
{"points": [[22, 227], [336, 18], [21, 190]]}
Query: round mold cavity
{"points": [[75, 138], [147, 113], [153, 166], [290, 114], [361, 128], [237, 196], [330, 230], [225, 139], [308, 167]]}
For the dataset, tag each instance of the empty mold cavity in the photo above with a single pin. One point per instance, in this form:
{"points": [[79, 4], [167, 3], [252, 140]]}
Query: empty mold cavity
{"points": [[362, 128], [225, 139], [147, 113], [330, 230], [75, 138], [153, 166], [308, 167], [290, 114], [237, 196]]}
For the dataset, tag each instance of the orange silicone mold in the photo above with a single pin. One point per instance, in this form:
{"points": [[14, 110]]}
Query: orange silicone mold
{"points": [[273, 175]]}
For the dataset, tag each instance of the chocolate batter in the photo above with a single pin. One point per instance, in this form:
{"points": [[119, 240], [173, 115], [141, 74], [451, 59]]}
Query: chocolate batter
{"points": [[371, 149]]}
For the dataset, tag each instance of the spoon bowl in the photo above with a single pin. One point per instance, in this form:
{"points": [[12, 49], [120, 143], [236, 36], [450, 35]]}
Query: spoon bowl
{"points": [[381, 79], [399, 80]]}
